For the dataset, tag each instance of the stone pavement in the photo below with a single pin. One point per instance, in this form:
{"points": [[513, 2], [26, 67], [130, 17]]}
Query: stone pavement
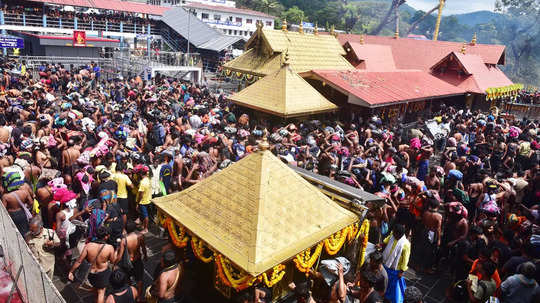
{"points": [[433, 287]]}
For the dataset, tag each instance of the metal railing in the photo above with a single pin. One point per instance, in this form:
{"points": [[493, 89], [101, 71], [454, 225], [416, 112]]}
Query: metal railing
{"points": [[79, 24], [33, 283]]}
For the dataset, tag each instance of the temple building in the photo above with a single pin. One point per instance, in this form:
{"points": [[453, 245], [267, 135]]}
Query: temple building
{"points": [[360, 74]]}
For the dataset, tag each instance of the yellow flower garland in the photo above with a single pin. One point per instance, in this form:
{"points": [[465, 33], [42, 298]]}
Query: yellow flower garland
{"points": [[353, 232], [226, 275], [180, 240], [304, 261], [335, 242], [364, 231], [198, 250], [277, 274]]}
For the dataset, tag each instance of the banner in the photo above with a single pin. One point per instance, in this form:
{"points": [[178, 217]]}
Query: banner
{"points": [[79, 38], [11, 42]]}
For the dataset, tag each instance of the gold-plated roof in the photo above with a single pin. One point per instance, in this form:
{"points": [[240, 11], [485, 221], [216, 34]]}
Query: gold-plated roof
{"points": [[283, 93], [307, 52], [257, 212]]}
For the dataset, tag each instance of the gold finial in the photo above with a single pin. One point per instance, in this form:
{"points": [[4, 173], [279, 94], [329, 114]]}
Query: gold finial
{"points": [[301, 27], [464, 48], [286, 57], [333, 30], [316, 29], [362, 39], [396, 35], [284, 25], [473, 41], [263, 145]]}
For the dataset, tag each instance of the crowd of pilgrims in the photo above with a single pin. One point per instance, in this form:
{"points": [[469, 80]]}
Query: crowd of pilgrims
{"points": [[82, 157]]}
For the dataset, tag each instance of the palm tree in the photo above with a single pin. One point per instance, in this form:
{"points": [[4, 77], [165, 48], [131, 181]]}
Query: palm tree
{"points": [[268, 5]]}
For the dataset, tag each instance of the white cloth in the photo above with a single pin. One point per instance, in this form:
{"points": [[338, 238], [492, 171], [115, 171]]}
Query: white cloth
{"points": [[391, 254]]}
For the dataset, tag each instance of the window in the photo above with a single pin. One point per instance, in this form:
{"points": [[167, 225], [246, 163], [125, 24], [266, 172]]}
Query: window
{"points": [[238, 20], [230, 32], [230, 18], [235, 32], [249, 21], [217, 17], [245, 33], [205, 16], [268, 23]]}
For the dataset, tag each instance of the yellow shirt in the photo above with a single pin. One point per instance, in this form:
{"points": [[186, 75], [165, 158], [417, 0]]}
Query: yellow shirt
{"points": [[405, 254], [145, 191], [123, 182]]}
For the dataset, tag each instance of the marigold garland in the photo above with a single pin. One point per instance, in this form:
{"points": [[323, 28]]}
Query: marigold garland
{"points": [[161, 218], [198, 250], [364, 231], [353, 232], [277, 274], [304, 261], [180, 240], [225, 273], [335, 242]]}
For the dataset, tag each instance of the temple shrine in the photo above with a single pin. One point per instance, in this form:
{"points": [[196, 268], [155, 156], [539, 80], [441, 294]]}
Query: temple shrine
{"points": [[362, 74]]}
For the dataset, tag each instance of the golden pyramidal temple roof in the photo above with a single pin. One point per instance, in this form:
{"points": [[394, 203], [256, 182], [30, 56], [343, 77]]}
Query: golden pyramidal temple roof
{"points": [[307, 52], [257, 212], [283, 93]]}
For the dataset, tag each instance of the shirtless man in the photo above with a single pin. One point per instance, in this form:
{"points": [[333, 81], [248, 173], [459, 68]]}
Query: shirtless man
{"points": [[15, 201], [457, 226], [431, 235], [69, 157], [99, 254], [4, 132], [137, 253], [165, 288]]}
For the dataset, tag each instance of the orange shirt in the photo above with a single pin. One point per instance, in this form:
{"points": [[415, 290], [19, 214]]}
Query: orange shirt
{"points": [[495, 275]]}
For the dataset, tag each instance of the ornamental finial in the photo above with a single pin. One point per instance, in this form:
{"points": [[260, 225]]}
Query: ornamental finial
{"points": [[284, 25], [473, 41]]}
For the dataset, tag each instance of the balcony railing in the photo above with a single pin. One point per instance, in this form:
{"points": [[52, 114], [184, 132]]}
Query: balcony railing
{"points": [[76, 23]]}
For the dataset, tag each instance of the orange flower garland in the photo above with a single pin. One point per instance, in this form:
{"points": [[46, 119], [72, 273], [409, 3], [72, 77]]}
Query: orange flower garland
{"points": [[225, 273], [198, 250], [333, 244], [304, 261], [180, 240]]}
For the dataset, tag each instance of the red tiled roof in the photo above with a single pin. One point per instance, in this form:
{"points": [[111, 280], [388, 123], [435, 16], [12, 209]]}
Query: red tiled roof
{"points": [[478, 76], [423, 54], [228, 9], [383, 88], [116, 5], [374, 57]]}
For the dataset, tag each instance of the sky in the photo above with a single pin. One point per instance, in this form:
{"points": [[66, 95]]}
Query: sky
{"points": [[454, 6]]}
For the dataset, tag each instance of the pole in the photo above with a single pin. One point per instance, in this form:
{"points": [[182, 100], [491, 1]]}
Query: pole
{"points": [[188, 30], [438, 24]]}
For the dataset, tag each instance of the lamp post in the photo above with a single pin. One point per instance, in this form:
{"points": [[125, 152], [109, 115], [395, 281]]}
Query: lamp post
{"points": [[190, 11]]}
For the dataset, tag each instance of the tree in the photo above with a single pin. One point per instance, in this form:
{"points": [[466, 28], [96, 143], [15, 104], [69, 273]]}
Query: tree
{"points": [[386, 19], [419, 17], [294, 15], [271, 7]]}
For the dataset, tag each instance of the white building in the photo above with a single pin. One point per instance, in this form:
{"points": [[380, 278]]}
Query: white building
{"points": [[232, 21]]}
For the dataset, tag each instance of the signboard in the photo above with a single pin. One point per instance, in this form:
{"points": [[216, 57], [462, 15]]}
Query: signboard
{"points": [[11, 42], [79, 38], [308, 25]]}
